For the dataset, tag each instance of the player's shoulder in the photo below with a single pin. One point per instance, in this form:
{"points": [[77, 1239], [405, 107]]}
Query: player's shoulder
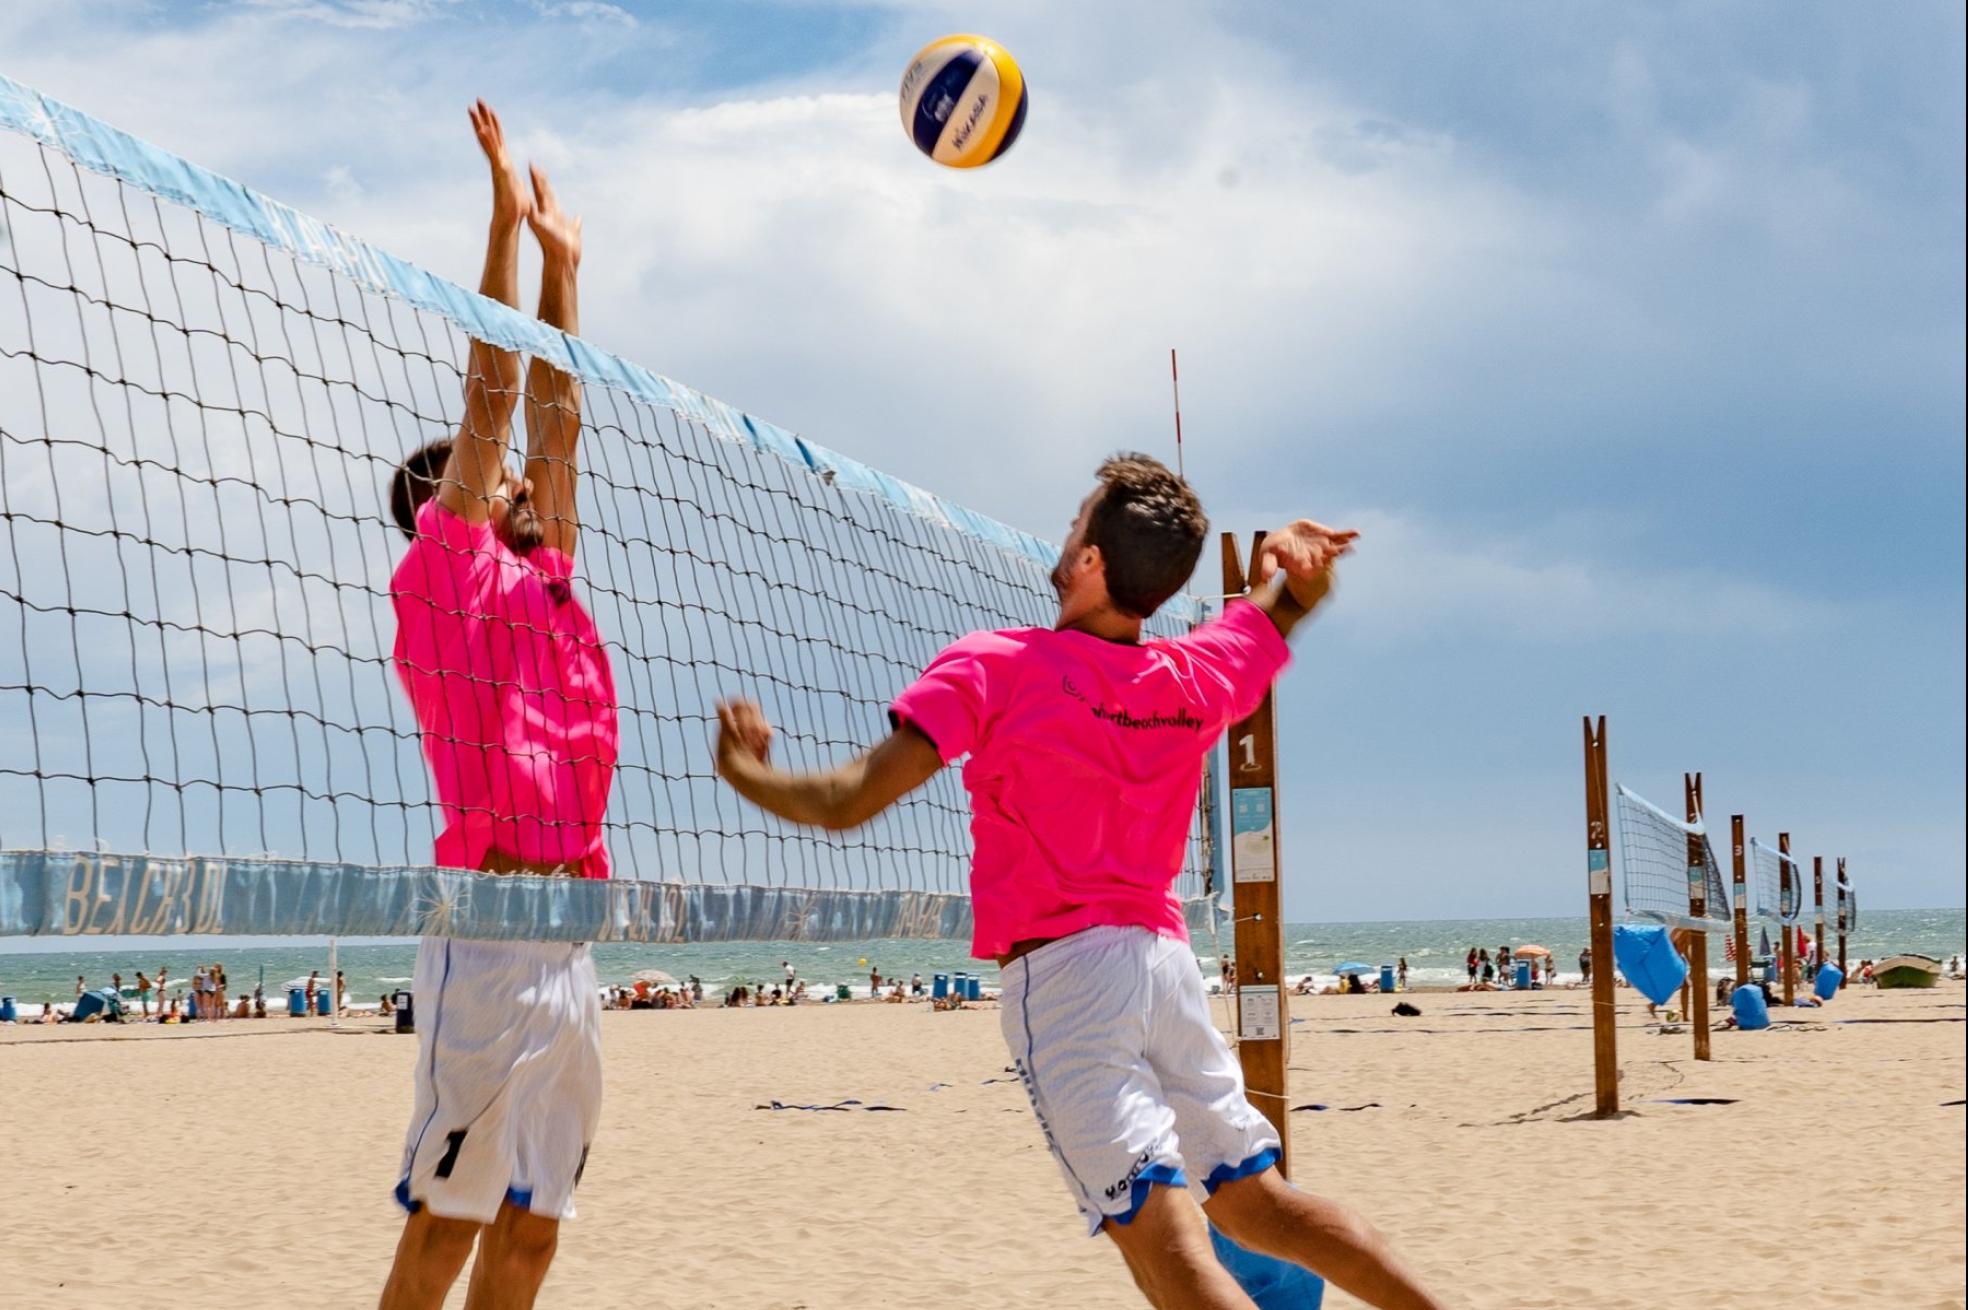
{"points": [[997, 644]]}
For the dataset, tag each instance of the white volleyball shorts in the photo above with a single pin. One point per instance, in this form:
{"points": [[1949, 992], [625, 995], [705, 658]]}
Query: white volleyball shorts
{"points": [[508, 1078], [1133, 1085]]}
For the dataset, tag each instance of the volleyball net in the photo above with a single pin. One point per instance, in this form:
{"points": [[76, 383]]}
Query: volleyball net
{"points": [[1773, 897], [1848, 909], [1658, 866], [203, 397]]}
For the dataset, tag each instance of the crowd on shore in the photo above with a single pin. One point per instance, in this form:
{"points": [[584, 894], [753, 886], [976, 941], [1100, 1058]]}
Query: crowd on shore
{"points": [[206, 996]]}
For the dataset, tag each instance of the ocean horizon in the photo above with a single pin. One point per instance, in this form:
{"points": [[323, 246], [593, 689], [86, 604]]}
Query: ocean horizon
{"points": [[37, 970]]}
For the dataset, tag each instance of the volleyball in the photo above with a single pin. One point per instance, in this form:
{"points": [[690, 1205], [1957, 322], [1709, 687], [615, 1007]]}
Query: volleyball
{"points": [[963, 100]]}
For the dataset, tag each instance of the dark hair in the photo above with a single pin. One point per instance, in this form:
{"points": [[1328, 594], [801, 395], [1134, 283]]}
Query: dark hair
{"points": [[416, 482], [1150, 527]]}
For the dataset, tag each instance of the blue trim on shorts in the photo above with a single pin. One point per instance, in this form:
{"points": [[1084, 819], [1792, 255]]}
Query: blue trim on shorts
{"points": [[520, 1197], [437, 1022], [1155, 1175], [1230, 1173]]}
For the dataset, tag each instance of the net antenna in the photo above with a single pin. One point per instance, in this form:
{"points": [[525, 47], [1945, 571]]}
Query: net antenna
{"points": [[1655, 867], [204, 395], [1175, 388]]}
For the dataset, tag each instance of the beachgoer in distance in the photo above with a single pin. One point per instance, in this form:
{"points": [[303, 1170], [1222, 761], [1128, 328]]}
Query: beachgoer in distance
{"points": [[1085, 745], [1472, 964], [81, 985], [1585, 964], [508, 1085], [1401, 974]]}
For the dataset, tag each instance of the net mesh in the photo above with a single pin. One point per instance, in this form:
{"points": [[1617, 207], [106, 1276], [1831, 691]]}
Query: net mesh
{"points": [[1655, 872], [1770, 899], [1848, 909], [200, 412]]}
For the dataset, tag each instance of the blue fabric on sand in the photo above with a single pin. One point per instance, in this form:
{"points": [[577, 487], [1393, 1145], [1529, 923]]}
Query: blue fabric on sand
{"points": [[1646, 955], [1752, 1011], [1273, 1284]]}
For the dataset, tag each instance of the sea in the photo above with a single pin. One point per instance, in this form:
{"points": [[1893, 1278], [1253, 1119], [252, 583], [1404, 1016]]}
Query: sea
{"points": [[1434, 950]]}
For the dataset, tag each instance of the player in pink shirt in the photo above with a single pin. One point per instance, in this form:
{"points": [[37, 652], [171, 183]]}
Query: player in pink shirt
{"points": [[1085, 745], [516, 702]]}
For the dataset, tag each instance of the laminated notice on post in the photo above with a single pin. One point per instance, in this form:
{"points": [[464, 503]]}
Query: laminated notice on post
{"points": [[1598, 873], [1258, 1014], [1253, 836]]}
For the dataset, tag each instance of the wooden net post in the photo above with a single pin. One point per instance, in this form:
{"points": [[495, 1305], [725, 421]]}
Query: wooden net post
{"points": [[1842, 925], [1599, 890], [1786, 951], [1817, 890], [1691, 786], [1742, 899], [1263, 1013]]}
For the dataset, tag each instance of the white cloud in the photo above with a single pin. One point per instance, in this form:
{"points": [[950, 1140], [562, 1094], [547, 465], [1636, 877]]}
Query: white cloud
{"points": [[1415, 578]]}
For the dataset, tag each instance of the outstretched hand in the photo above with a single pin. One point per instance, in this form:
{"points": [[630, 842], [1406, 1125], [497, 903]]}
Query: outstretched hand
{"points": [[1305, 553], [559, 236], [744, 735], [510, 202]]}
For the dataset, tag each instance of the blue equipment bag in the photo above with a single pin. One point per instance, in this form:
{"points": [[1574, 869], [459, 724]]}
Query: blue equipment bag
{"points": [[1648, 959], [1752, 1012], [1273, 1284]]}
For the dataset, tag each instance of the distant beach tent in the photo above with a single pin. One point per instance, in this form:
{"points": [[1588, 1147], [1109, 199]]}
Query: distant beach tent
{"points": [[1647, 957]]}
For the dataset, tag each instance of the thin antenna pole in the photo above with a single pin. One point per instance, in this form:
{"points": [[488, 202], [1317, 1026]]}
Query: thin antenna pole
{"points": [[1175, 388]]}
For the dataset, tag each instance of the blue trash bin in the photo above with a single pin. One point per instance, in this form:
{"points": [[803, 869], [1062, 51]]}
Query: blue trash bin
{"points": [[8, 1012], [324, 1002], [1387, 977], [296, 1003], [973, 988], [939, 985], [959, 986], [1524, 974]]}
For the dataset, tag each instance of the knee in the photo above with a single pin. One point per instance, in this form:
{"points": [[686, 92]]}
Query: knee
{"points": [[430, 1240], [521, 1245]]}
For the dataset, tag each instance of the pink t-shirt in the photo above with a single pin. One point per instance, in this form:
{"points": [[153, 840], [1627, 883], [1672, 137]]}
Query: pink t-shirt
{"points": [[1085, 759], [513, 691]]}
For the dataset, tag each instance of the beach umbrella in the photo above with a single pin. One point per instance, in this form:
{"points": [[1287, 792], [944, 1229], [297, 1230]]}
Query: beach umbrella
{"points": [[655, 978], [1530, 950], [1345, 970]]}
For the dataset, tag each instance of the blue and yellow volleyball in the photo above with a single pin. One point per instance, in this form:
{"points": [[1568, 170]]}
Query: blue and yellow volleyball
{"points": [[963, 100]]}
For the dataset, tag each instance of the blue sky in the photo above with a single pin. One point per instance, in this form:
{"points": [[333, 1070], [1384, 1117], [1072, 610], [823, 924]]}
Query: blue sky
{"points": [[1631, 336]]}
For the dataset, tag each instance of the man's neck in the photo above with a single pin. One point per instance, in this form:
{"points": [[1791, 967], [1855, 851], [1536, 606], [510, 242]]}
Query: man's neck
{"points": [[1104, 622]]}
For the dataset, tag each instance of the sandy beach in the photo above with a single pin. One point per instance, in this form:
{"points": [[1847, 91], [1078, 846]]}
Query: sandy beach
{"points": [[250, 1164]]}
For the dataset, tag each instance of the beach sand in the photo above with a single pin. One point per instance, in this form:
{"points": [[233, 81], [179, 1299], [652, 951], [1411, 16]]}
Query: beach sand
{"points": [[250, 1164]]}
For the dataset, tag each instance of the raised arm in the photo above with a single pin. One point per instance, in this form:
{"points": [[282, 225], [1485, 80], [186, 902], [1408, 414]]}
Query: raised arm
{"points": [[1294, 570], [553, 397], [476, 470], [846, 796]]}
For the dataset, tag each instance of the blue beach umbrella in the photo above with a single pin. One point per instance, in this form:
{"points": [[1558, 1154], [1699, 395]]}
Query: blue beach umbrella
{"points": [[1353, 967]]}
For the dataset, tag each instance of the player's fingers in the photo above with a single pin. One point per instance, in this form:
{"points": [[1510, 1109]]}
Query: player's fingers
{"points": [[542, 189]]}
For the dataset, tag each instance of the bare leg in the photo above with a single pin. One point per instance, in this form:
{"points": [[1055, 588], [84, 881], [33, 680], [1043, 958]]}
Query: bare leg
{"points": [[1167, 1249], [428, 1257], [1266, 1214], [513, 1255]]}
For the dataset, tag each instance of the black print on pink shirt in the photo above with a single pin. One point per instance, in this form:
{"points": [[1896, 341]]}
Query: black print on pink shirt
{"points": [[1124, 718]]}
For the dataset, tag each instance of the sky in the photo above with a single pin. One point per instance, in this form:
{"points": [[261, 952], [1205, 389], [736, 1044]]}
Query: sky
{"points": [[1630, 337]]}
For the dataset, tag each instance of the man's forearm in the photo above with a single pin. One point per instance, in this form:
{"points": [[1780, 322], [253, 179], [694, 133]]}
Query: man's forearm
{"points": [[817, 800], [1287, 603], [553, 417], [492, 373]]}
